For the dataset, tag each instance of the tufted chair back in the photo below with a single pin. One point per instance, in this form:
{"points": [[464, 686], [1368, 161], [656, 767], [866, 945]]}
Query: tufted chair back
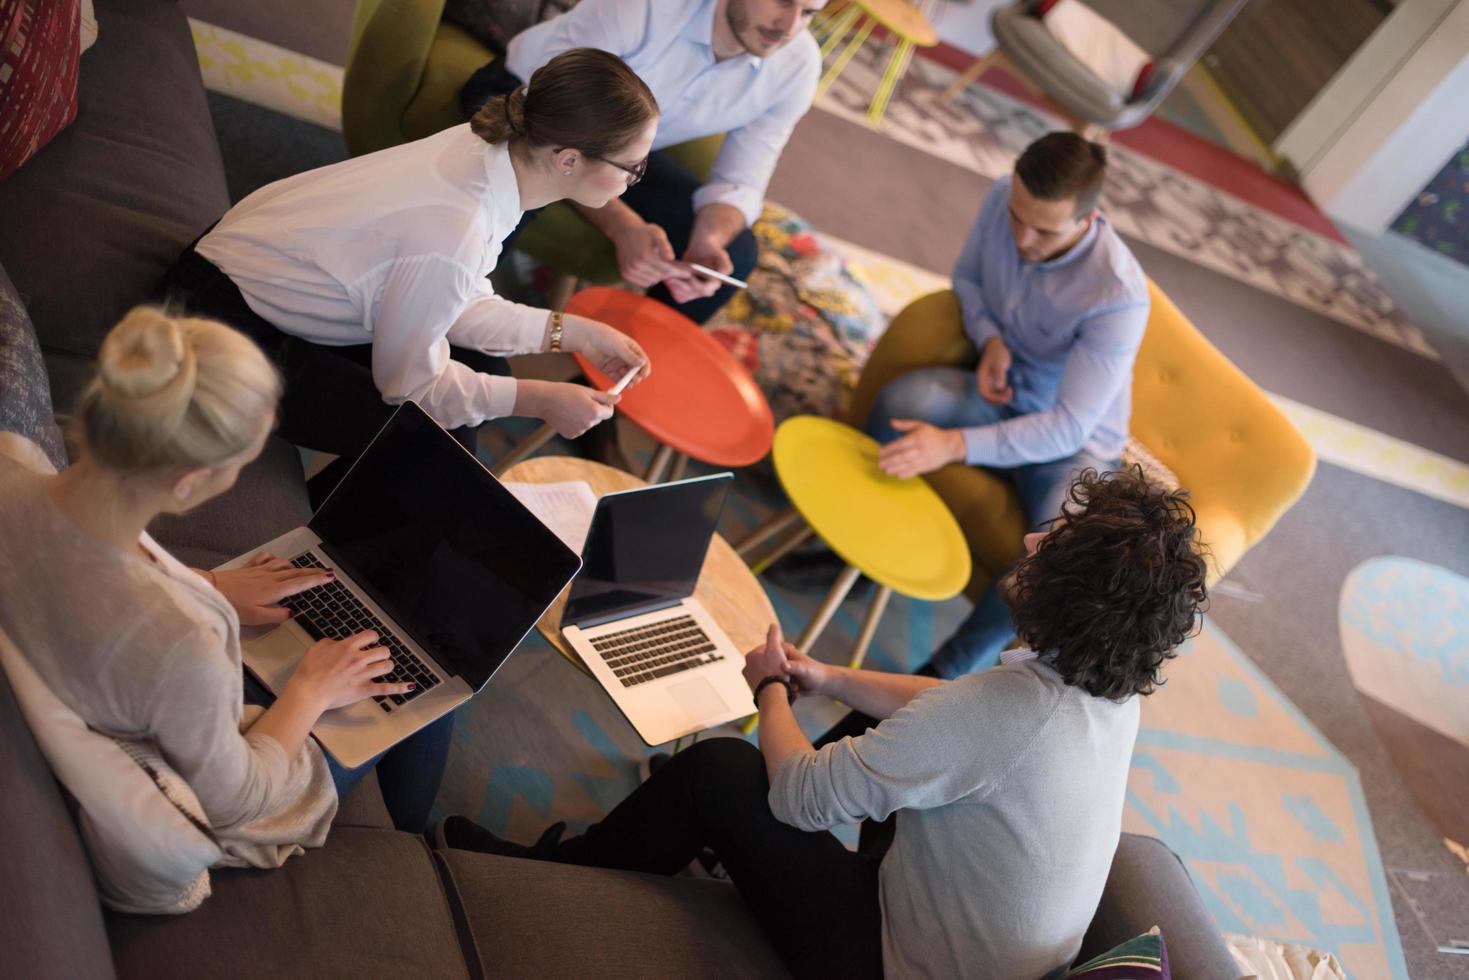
{"points": [[1241, 459]]}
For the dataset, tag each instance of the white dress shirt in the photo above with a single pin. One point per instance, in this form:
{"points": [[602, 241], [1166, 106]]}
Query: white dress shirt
{"points": [[391, 249], [669, 43]]}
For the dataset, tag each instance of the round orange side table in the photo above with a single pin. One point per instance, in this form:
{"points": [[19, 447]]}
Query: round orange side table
{"points": [[699, 402]]}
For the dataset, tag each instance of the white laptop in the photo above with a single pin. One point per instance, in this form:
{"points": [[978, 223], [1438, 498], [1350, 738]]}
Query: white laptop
{"points": [[632, 617], [433, 553]]}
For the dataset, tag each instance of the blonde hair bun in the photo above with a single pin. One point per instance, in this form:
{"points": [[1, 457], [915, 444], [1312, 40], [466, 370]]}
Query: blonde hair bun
{"points": [[145, 354], [174, 391]]}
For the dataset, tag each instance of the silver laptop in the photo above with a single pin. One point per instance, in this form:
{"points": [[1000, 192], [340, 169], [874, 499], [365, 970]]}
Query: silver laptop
{"points": [[632, 617], [436, 556]]}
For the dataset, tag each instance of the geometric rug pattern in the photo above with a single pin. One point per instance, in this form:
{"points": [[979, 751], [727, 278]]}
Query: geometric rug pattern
{"points": [[984, 130], [1268, 816]]}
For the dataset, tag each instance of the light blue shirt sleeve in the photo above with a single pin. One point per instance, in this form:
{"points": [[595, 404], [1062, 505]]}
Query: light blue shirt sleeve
{"points": [[609, 25], [748, 157], [1099, 364], [979, 325]]}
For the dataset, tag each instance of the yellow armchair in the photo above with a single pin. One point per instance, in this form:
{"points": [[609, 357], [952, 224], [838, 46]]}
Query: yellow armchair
{"points": [[1241, 459]]}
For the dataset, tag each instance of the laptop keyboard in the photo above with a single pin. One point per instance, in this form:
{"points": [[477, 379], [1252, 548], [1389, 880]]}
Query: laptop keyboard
{"points": [[646, 653], [332, 612]]}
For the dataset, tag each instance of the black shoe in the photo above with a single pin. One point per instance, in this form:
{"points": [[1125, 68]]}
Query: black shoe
{"points": [[652, 764], [463, 834]]}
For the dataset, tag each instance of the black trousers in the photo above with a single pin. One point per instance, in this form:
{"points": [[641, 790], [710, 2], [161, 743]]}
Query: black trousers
{"points": [[663, 197], [815, 900], [330, 402]]}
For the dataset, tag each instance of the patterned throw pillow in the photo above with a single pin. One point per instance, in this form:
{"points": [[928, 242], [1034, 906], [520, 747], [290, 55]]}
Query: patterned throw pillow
{"points": [[805, 326], [40, 49], [1143, 958], [25, 390]]}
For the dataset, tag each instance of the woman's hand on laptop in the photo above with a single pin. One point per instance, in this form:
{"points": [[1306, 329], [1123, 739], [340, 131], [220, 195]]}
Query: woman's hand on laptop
{"points": [[256, 589], [570, 409], [336, 673]]}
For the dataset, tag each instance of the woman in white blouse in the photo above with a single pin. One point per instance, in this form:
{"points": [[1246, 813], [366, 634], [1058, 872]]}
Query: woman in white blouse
{"points": [[146, 649], [365, 281]]}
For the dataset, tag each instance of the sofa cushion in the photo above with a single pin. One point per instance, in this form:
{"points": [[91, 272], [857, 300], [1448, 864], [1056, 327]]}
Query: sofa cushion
{"points": [[96, 217], [363, 806], [535, 920], [267, 500], [50, 919], [368, 904], [25, 393]]}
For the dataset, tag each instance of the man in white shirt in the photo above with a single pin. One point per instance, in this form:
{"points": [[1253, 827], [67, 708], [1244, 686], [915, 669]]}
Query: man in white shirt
{"points": [[747, 68]]}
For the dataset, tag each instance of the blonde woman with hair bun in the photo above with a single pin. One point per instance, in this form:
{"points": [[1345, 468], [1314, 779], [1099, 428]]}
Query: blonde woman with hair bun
{"points": [[366, 281], [142, 647]]}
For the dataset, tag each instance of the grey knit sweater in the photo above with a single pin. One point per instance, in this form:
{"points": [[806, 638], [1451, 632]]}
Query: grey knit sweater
{"points": [[1008, 787]]}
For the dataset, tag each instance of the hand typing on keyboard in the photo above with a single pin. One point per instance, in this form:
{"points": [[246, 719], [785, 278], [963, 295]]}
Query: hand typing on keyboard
{"points": [[336, 673], [257, 589]]}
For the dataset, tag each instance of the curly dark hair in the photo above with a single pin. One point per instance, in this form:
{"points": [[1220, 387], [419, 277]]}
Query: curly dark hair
{"points": [[1115, 587]]}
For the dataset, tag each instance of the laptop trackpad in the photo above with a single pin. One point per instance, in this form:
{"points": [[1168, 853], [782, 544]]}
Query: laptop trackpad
{"points": [[698, 699]]}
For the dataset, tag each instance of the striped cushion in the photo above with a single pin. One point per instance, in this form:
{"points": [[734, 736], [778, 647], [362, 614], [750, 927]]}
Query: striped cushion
{"points": [[1143, 958]]}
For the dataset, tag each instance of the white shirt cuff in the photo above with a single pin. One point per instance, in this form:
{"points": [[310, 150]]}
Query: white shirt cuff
{"points": [[747, 200]]}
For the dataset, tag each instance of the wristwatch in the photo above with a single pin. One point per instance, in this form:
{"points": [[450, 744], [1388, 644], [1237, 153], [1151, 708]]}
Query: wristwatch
{"points": [[556, 327], [776, 679]]}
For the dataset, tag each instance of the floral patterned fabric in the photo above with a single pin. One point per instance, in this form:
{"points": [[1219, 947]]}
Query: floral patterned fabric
{"points": [[805, 326]]}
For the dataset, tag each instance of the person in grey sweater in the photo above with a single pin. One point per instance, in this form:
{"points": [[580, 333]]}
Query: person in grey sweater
{"points": [[1007, 785]]}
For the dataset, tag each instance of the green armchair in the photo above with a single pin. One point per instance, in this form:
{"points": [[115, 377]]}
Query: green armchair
{"points": [[405, 68]]}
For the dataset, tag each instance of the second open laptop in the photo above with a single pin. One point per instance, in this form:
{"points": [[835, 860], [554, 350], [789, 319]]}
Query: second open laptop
{"points": [[633, 619], [433, 553]]}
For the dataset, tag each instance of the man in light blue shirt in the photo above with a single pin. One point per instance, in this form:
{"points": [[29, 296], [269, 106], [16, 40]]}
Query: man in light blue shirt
{"points": [[747, 68], [1057, 306]]}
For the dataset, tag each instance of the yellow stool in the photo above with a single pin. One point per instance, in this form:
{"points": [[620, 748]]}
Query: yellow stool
{"points": [[899, 533], [858, 18]]}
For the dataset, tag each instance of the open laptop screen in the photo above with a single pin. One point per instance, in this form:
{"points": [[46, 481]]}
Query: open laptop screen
{"points": [[645, 548], [448, 552]]}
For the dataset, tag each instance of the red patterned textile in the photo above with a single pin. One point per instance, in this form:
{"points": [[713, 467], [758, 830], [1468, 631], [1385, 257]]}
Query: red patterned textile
{"points": [[40, 49]]}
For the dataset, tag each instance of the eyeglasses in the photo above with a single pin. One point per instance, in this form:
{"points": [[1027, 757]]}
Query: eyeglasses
{"points": [[635, 172]]}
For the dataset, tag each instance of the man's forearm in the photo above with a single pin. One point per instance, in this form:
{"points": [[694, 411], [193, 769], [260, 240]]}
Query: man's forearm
{"points": [[780, 733], [877, 694], [718, 224]]}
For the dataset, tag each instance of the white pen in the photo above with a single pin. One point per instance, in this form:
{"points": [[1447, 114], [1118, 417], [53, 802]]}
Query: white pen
{"points": [[704, 270], [624, 381]]}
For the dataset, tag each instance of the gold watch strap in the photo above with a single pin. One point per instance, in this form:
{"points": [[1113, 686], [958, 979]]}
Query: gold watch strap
{"points": [[556, 326]]}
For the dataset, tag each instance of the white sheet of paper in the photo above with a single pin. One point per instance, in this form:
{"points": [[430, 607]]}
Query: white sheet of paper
{"points": [[566, 508]]}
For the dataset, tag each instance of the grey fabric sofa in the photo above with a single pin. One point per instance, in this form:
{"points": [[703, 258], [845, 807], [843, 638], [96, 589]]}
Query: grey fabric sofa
{"points": [[88, 226]]}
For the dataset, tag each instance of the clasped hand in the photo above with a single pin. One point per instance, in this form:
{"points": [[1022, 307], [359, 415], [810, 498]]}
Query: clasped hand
{"points": [[776, 657]]}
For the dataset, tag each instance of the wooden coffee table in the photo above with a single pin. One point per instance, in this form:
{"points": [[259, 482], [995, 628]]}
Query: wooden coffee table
{"points": [[726, 586]]}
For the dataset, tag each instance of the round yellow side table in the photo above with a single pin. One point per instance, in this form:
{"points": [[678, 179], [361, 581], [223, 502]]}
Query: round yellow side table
{"points": [[854, 21], [899, 533]]}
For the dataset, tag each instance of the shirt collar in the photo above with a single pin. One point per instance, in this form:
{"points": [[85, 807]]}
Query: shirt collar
{"points": [[700, 30], [503, 208], [1017, 656], [1078, 250]]}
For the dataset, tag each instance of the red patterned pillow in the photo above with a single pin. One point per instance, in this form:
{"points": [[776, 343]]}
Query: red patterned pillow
{"points": [[40, 48]]}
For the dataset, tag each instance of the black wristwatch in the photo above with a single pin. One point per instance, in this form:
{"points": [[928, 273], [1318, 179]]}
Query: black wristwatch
{"points": [[777, 679]]}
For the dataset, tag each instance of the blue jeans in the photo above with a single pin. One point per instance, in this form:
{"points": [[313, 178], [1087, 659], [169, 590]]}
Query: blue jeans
{"points": [[948, 397], [409, 773]]}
